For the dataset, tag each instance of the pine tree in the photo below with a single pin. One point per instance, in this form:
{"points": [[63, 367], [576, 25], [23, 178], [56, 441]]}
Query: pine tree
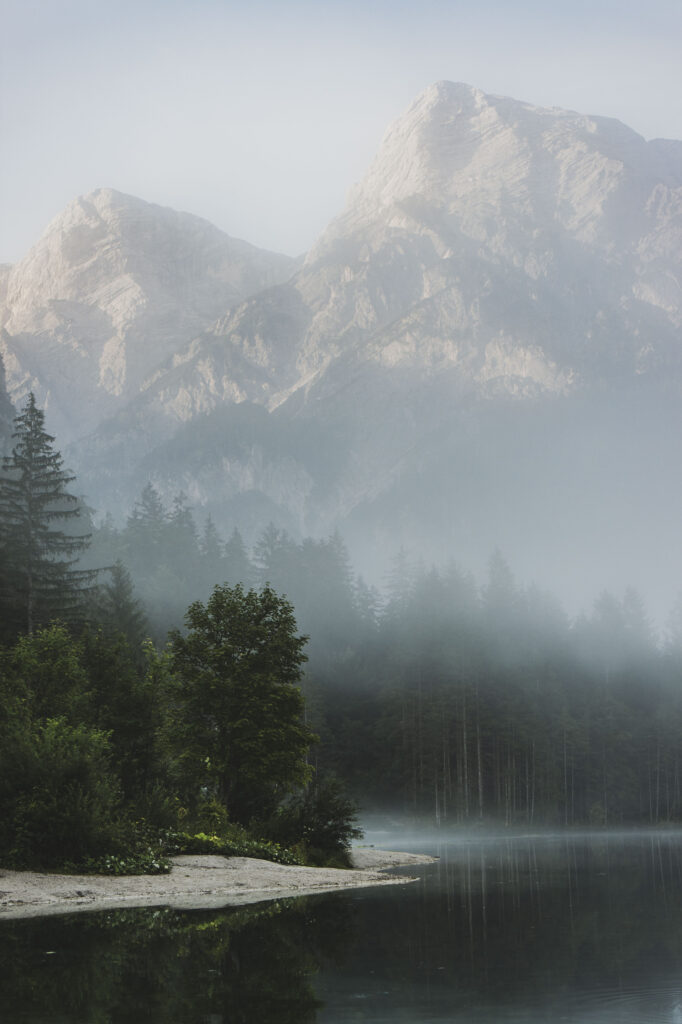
{"points": [[118, 609], [38, 581], [238, 566], [210, 544]]}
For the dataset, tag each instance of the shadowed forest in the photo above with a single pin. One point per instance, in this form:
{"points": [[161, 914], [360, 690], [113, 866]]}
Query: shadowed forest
{"points": [[439, 696]]}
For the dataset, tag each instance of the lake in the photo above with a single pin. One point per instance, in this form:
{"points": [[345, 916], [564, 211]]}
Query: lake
{"points": [[576, 928]]}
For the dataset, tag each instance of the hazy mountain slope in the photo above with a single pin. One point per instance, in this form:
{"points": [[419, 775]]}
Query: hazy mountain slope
{"points": [[113, 287], [499, 301], [513, 249], [529, 249]]}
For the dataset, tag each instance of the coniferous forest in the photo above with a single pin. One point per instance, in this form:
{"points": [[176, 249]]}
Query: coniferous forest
{"points": [[164, 687]]}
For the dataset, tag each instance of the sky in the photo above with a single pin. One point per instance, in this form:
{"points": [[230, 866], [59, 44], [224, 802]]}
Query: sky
{"points": [[260, 116]]}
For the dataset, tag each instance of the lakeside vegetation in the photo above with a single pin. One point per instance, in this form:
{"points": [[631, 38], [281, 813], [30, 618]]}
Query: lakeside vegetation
{"points": [[125, 738], [115, 754]]}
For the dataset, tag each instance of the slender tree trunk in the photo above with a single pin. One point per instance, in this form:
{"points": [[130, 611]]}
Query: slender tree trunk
{"points": [[465, 756], [480, 768]]}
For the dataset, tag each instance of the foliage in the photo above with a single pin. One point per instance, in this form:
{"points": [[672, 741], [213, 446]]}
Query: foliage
{"points": [[60, 799], [117, 610], [237, 725], [147, 862], [320, 821], [235, 843], [37, 553]]}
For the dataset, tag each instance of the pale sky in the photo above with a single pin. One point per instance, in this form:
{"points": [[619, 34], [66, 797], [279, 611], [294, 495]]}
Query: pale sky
{"points": [[260, 116]]}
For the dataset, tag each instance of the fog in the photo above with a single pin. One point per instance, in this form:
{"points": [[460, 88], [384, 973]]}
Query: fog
{"points": [[451, 438]]}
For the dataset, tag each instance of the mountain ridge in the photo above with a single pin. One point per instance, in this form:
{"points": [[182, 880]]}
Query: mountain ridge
{"points": [[113, 286], [499, 265]]}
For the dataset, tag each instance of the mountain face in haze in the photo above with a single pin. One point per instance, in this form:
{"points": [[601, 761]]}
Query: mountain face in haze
{"points": [[482, 348], [114, 286], [530, 250]]}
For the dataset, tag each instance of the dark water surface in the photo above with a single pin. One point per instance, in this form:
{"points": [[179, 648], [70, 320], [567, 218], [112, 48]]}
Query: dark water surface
{"points": [[585, 929]]}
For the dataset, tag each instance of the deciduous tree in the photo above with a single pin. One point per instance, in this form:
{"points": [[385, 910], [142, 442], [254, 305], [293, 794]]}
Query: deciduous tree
{"points": [[238, 728]]}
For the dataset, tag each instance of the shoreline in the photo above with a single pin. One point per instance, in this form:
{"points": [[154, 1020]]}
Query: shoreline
{"points": [[195, 882]]}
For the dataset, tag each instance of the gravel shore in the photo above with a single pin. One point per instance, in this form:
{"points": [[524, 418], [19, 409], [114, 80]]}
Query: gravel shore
{"points": [[194, 882]]}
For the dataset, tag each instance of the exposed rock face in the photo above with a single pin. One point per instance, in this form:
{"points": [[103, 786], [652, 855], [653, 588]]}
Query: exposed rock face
{"points": [[113, 287], [499, 284], [526, 249]]}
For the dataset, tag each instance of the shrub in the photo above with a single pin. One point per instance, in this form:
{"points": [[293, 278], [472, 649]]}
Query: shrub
{"points": [[320, 821], [236, 843], [65, 800]]}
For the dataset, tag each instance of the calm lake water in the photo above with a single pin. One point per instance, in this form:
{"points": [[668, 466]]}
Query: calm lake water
{"points": [[584, 929]]}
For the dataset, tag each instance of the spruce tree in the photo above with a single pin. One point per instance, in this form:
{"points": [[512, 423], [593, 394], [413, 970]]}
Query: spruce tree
{"points": [[38, 581]]}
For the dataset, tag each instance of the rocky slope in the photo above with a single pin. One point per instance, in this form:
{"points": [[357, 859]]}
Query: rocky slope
{"points": [[528, 249], [113, 287], [484, 347]]}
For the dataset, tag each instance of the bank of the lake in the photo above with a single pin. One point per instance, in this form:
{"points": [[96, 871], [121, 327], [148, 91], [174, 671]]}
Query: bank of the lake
{"points": [[194, 882]]}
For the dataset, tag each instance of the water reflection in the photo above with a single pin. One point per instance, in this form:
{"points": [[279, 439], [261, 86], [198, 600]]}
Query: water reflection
{"points": [[527, 929], [228, 967]]}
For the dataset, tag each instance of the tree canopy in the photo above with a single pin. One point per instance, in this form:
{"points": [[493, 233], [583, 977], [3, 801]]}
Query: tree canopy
{"points": [[238, 708]]}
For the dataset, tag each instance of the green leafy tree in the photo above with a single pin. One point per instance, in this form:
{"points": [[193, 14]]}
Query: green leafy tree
{"points": [[38, 553], [59, 794], [237, 726]]}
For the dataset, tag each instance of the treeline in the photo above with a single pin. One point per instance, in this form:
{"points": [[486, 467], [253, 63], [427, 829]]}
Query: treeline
{"points": [[477, 703], [439, 696], [452, 699], [174, 558]]}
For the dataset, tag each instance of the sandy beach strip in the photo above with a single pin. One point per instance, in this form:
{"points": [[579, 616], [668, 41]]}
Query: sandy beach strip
{"points": [[194, 882]]}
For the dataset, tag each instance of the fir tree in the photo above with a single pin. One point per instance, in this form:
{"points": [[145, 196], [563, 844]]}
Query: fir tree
{"points": [[38, 580], [118, 609]]}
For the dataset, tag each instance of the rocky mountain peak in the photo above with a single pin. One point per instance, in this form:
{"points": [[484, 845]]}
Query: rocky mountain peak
{"points": [[497, 259], [113, 287], [492, 164]]}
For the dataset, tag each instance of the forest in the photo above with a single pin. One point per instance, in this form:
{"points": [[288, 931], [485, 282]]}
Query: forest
{"points": [[160, 680], [116, 753], [442, 697]]}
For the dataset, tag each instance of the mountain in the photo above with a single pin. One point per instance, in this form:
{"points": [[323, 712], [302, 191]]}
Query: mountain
{"points": [[484, 347], [114, 286], [528, 249]]}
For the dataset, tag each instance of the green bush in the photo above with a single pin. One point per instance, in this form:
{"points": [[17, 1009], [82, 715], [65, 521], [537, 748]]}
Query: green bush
{"points": [[145, 862], [236, 843], [320, 822], [61, 801]]}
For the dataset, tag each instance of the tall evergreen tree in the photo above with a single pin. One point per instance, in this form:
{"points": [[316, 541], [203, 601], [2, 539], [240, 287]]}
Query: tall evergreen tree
{"points": [[118, 610], [38, 580], [145, 532], [237, 564]]}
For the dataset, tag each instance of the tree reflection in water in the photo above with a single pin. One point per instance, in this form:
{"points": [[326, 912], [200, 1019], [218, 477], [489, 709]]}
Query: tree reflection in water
{"points": [[533, 929], [232, 966]]}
